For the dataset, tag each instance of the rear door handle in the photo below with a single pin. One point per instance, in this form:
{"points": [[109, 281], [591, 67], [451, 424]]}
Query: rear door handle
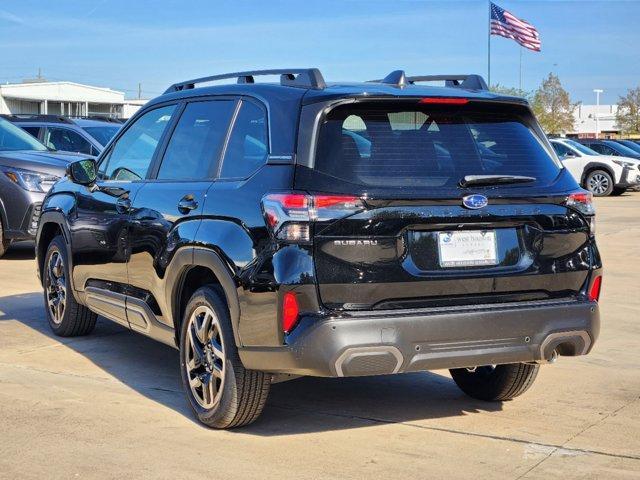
{"points": [[186, 204], [123, 204]]}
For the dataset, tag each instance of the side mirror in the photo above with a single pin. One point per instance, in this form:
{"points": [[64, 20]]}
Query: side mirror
{"points": [[83, 172]]}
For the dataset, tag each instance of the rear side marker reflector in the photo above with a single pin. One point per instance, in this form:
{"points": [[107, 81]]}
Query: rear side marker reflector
{"points": [[444, 101], [594, 291], [289, 311]]}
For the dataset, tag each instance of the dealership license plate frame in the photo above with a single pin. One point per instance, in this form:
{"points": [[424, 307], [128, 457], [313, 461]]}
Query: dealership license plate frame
{"points": [[452, 252]]}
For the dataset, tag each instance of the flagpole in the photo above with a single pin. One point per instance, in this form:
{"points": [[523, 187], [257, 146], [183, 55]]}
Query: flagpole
{"points": [[489, 47], [520, 68]]}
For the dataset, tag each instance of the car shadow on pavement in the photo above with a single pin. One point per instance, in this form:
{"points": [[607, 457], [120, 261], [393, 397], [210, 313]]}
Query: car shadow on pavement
{"points": [[20, 251], [302, 405]]}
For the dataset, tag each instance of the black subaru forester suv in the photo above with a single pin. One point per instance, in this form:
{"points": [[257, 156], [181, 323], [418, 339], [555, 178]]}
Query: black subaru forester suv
{"points": [[272, 230]]}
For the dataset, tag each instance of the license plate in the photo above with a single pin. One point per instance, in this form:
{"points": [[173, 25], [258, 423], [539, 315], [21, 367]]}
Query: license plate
{"points": [[467, 248]]}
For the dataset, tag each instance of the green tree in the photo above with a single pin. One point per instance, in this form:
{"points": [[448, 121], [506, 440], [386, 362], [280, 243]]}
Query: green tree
{"points": [[628, 114], [512, 91], [553, 107]]}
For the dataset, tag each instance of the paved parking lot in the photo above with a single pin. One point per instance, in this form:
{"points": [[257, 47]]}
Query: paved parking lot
{"points": [[110, 405]]}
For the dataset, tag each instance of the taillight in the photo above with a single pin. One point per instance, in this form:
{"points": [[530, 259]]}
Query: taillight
{"points": [[288, 215], [289, 311], [594, 291], [583, 202]]}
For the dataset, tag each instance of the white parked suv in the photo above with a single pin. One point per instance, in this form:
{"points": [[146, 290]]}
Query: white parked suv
{"points": [[602, 175]]}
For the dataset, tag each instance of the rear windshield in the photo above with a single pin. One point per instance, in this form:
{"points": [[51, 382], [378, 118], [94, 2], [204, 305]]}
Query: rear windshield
{"points": [[396, 145]]}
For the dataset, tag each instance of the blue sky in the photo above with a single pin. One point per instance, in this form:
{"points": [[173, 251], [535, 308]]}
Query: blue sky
{"points": [[118, 43]]}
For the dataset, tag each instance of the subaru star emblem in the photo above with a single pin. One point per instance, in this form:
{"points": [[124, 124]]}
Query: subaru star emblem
{"points": [[475, 201]]}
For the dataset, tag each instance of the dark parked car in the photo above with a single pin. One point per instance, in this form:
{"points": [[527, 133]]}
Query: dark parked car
{"points": [[631, 145], [610, 147], [27, 171], [272, 230], [80, 135]]}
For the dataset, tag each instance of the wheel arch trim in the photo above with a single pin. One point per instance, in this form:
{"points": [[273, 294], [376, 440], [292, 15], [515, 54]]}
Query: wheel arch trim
{"points": [[187, 258], [591, 166]]}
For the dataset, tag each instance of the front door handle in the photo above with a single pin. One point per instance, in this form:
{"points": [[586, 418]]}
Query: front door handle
{"points": [[186, 204], [123, 204]]}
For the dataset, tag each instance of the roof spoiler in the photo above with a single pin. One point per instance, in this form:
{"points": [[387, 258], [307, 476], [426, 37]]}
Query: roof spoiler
{"points": [[466, 81], [291, 77]]}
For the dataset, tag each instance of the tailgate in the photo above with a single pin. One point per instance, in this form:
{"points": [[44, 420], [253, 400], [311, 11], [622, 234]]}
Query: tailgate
{"points": [[398, 257]]}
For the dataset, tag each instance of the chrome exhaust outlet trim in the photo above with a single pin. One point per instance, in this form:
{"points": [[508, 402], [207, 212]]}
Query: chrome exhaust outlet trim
{"points": [[377, 360], [559, 338]]}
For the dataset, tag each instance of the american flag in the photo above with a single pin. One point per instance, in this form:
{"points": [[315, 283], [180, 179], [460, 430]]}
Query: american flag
{"points": [[507, 25]]}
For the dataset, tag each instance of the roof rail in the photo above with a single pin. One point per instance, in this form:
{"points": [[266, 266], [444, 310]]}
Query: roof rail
{"points": [[292, 77], [101, 118], [35, 117], [468, 81]]}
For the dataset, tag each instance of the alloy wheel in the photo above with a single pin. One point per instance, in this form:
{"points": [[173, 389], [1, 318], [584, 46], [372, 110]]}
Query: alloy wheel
{"points": [[598, 183], [204, 357], [56, 287]]}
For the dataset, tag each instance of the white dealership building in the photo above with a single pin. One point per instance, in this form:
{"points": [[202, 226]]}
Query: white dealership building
{"points": [[592, 118], [65, 98]]}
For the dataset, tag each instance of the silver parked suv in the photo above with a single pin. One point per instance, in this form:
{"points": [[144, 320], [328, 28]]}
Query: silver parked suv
{"points": [[28, 169]]}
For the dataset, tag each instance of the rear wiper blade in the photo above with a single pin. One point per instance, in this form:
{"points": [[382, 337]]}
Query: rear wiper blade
{"points": [[469, 180]]}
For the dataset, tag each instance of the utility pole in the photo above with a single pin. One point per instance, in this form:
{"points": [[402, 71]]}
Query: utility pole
{"points": [[139, 91], [597, 91]]}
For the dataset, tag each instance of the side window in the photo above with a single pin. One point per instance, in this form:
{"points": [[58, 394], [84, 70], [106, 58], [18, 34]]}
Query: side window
{"points": [[560, 149], [196, 142], [247, 148], [601, 149], [34, 131], [131, 155], [66, 140]]}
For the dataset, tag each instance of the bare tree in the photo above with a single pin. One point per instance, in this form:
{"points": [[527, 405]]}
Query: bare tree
{"points": [[553, 107], [628, 114]]}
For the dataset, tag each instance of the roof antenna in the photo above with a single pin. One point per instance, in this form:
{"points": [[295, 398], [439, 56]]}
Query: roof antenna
{"points": [[397, 78]]}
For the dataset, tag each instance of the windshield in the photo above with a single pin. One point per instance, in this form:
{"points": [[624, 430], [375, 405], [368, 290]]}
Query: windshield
{"points": [[102, 134], [14, 138], [581, 148], [401, 144], [625, 151]]}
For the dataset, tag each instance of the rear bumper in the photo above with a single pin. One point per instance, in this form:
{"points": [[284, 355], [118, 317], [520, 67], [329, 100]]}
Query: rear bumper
{"points": [[383, 342]]}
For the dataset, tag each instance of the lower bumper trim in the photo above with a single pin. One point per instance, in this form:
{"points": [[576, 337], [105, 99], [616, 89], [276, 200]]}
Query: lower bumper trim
{"points": [[418, 341]]}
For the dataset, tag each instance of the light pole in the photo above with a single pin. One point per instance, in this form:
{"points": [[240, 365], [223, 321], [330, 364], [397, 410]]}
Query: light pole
{"points": [[597, 91]]}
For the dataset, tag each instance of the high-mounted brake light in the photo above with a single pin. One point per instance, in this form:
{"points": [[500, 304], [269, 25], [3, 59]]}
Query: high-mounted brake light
{"points": [[288, 215], [594, 291], [444, 101], [290, 311]]}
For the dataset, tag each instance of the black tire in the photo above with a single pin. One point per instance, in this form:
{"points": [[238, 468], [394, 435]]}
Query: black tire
{"points": [[4, 243], [240, 394], [502, 382], [73, 319], [618, 191], [599, 182]]}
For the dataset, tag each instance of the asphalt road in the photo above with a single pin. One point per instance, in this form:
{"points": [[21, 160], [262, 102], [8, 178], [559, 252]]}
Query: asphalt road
{"points": [[110, 405]]}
